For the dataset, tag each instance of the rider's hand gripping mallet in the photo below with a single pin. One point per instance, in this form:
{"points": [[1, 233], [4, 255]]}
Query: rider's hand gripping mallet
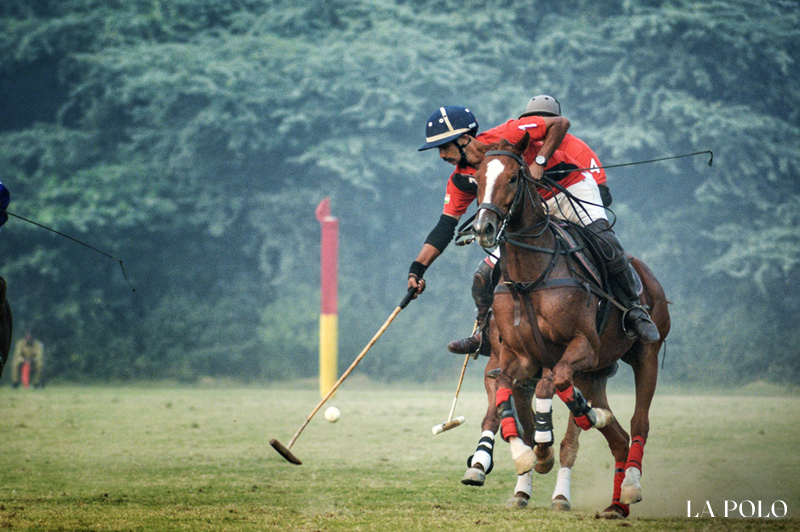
{"points": [[453, 423], [284, 451]]}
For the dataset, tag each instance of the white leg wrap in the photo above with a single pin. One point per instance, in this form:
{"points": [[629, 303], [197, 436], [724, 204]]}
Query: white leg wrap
{"points": [[524, 484], [542, 436], [482, 456], [562, 483], [544, 405]]}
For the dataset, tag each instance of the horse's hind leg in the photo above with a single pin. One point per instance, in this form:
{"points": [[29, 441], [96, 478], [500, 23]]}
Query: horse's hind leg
{"points": [[617, 440], [645, 371]]}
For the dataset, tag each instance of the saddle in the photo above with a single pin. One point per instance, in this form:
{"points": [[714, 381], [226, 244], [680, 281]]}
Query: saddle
{"points": [[587, 244], [583, 248]]}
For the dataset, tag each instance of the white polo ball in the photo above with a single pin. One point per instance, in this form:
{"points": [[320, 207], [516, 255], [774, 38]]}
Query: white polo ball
{"points": [[332, 414]]}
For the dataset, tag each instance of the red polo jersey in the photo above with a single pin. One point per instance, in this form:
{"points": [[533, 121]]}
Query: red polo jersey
{"points": [[462, 188]]}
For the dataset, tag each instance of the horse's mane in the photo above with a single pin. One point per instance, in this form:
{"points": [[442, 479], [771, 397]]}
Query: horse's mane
{"points": [[502, 144], [518, 148]]}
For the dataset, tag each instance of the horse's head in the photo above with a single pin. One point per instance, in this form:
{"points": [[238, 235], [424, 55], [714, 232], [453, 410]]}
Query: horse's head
{"points": [[500, 189]]}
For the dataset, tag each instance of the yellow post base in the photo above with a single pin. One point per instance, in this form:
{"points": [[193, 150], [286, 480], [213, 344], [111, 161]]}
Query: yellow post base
{"points": [[328, 352]]}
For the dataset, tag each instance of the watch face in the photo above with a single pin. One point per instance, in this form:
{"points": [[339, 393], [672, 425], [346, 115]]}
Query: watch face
{"points": [[540, 160]]}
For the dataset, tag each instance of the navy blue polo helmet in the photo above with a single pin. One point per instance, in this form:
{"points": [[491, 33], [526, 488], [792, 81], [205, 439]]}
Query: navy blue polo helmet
{"points": [[447, 124]]}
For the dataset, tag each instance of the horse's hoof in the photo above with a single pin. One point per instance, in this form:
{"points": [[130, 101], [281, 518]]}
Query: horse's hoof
{"points": [[474, 477], [522, 455], [600, 417], [631, 487], [560, 504], [615, 511], [544, 464], [517, 502]]}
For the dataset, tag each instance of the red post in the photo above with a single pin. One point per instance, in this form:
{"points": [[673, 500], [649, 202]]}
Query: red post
{"points": [[329, 279]]}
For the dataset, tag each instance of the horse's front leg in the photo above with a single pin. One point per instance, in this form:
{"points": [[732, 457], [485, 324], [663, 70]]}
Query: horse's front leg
{"points": [[579, 356], [543, 423], [523, 397], [481, 462], [513, 368]]}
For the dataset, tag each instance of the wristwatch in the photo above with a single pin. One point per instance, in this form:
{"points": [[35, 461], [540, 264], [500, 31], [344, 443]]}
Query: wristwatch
{"points": [[540, 160]]}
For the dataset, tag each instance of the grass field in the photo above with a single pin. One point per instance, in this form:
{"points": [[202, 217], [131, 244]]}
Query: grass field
{"points": [[172, 458]]}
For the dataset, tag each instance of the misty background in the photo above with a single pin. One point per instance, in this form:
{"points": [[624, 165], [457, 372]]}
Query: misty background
{"points": [[192, 139]]}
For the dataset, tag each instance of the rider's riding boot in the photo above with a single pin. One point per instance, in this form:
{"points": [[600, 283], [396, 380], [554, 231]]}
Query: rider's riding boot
{"points": [[473, 343], [483, 283], [636, 321]]}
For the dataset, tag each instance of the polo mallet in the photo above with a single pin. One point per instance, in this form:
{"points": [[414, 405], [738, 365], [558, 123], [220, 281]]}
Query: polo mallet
{"points": [[284, 451], [453, 423]]}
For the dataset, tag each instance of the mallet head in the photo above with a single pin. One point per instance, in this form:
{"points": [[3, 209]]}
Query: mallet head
{"points": [[438, 429], [286, 453]]}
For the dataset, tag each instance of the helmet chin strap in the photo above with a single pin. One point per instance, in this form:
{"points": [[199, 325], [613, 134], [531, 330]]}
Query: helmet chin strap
{"points": [[463, 162]]}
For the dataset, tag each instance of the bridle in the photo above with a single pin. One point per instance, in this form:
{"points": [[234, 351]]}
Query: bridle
{"points": [[519, 196]]}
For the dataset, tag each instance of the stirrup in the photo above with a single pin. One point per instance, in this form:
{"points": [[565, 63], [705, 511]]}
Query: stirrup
{"points": [[644, 316]]}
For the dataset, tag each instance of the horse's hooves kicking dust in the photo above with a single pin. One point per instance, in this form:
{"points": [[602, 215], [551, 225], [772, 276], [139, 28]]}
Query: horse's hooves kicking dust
{"points": [[615, 511], [517, 502], [560, 504]]}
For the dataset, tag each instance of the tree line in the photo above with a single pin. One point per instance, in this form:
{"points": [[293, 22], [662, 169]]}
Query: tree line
{"points": [[193, 139]]}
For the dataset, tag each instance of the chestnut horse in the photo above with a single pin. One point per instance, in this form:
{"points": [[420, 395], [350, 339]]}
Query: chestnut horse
{"points": [[595, 386], [546, 311]]}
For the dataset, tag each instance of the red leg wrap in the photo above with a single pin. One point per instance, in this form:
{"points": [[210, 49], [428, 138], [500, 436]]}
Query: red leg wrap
{"points": [[508, 425], [583, 422], [619, 476], [503, 395], [636, 453], [566, 395]]}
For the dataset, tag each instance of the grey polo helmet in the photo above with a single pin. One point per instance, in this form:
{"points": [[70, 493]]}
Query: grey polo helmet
{"points": [[447, 124], [542, 105]]}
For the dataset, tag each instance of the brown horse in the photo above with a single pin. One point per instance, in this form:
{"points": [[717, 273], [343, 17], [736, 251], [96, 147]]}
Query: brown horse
{"points": [[595, 386], [546, 310]]}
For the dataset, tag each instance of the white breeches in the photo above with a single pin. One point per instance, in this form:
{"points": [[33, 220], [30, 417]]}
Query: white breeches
{"points": [[587, 212]]}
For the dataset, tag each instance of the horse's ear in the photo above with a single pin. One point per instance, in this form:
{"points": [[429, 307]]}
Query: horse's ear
{"points": [[522, 144]]}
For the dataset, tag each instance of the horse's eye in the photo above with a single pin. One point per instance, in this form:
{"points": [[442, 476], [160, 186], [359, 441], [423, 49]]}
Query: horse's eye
{"points": [[513, 180]]}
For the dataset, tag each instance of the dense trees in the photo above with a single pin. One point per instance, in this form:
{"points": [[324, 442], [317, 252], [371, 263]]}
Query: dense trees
{"points": [[193, 138]]}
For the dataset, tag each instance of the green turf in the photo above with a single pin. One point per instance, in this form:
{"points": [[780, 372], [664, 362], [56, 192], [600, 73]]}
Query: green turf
{"points": [[171, 458]]}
